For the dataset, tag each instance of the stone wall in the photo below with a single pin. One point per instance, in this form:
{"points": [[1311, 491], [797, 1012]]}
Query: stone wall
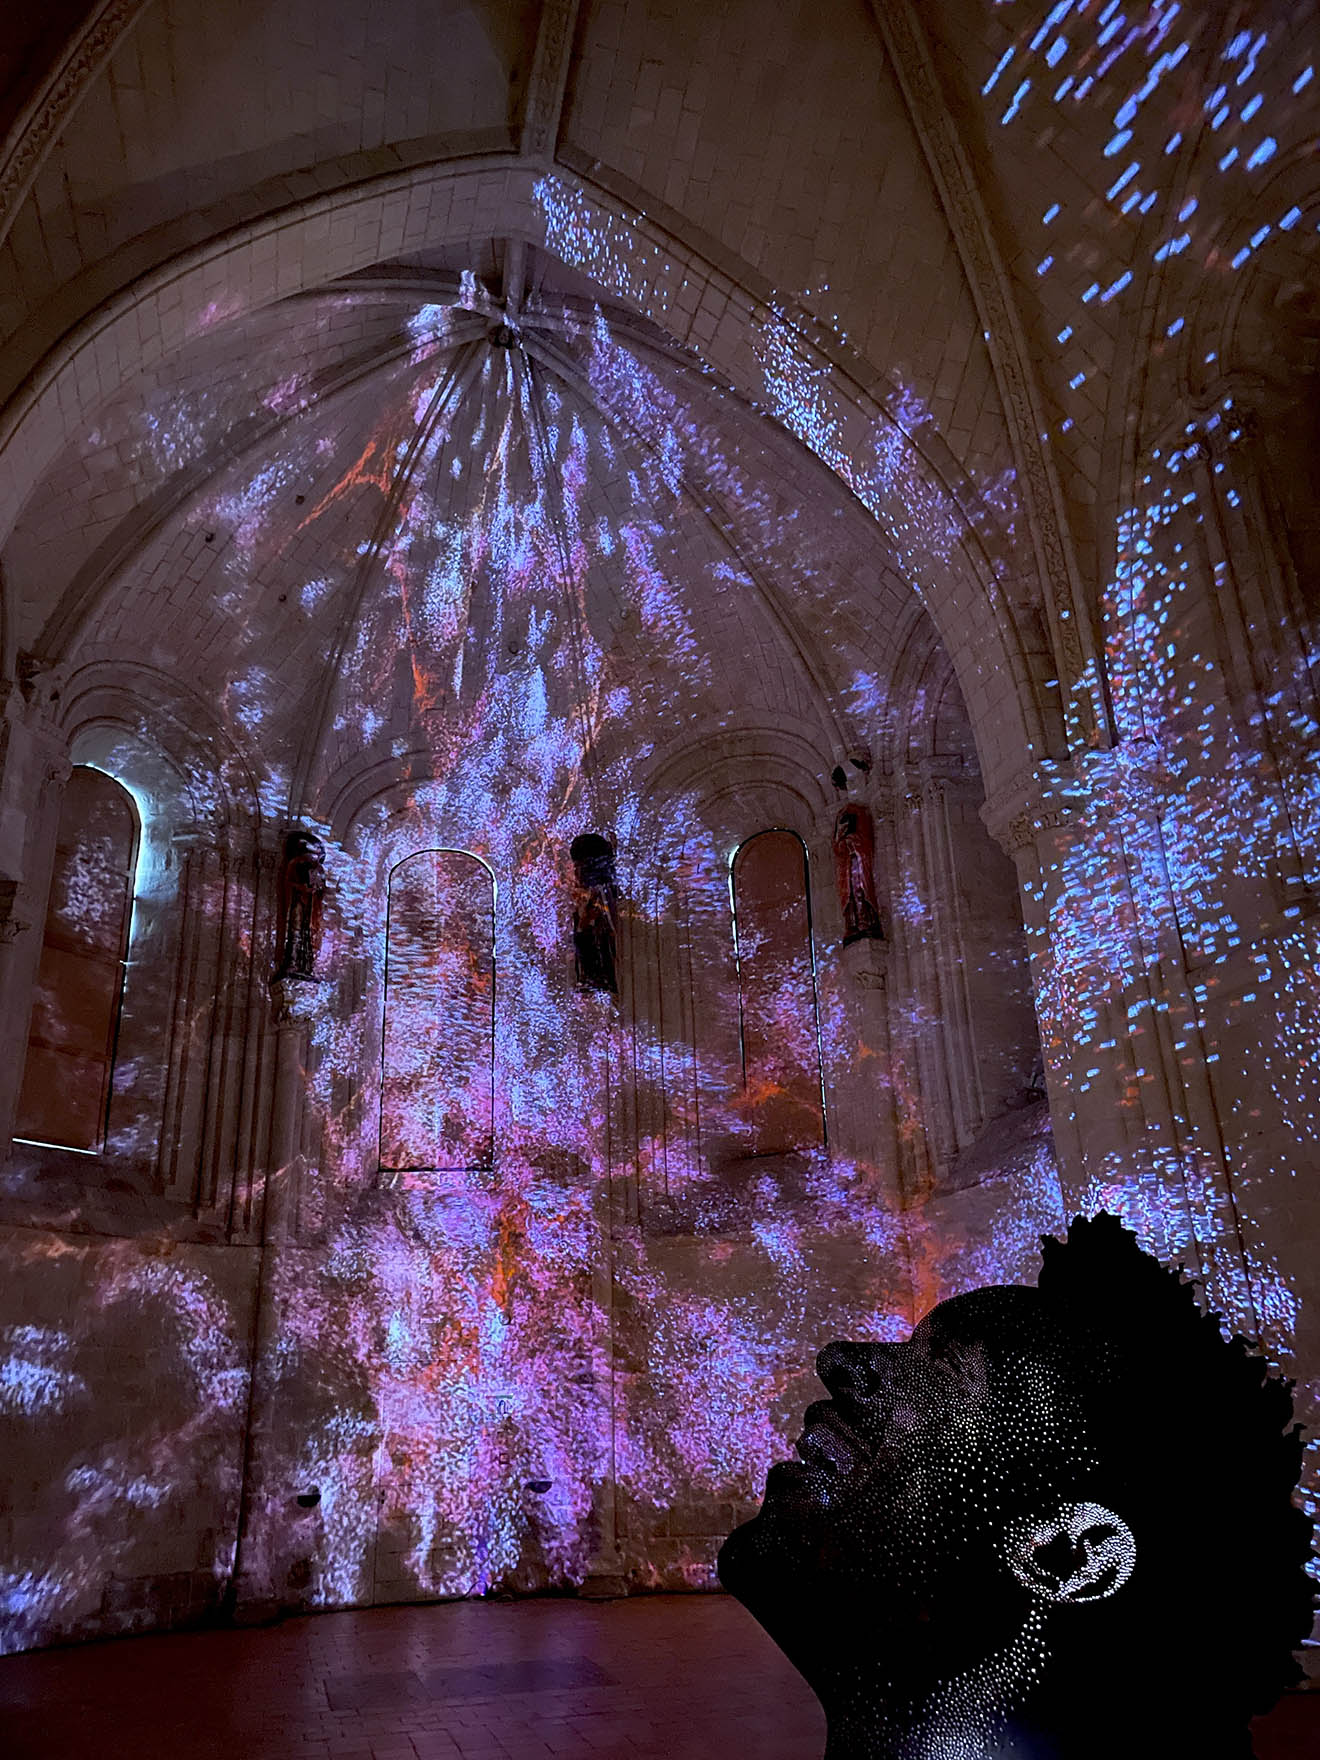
{"points": [[934, 394]]}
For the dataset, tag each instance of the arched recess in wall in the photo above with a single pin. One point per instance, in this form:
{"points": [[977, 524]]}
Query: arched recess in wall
{"points": [[778, 1012], [65, 1097], [437, 1100], [706, 796], [187, 1125]]}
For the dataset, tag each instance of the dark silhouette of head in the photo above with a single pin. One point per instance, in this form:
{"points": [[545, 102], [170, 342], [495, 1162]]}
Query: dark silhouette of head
{"points": [[1056, 1522]]}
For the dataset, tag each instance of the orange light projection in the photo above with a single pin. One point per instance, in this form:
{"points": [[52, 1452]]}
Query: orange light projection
{"points": [[777, 994]]}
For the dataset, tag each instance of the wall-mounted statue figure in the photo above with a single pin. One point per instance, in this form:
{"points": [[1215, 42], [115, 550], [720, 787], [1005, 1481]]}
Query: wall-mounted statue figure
{"points": [[854, 873], [302, 894], [1054, 1525], [595, 913]]}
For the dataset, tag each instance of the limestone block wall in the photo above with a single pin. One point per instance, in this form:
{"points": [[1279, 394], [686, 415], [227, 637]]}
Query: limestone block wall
{"points": [[253, 1370], [1000, 357], [125, 1393]]}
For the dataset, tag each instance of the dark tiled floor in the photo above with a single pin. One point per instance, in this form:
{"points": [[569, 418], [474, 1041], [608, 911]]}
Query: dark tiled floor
{"points": [[691, 1677]]}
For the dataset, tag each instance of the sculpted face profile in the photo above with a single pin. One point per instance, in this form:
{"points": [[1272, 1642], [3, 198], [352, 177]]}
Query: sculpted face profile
{"points": [[1056, 1522]]}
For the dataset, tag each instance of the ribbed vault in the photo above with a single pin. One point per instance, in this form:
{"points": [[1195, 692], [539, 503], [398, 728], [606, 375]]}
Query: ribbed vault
{"points": [[434, 511]]}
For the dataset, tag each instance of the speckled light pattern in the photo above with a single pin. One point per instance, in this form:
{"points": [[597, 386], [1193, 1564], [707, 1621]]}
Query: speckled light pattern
{"points": [[981, 1524]]}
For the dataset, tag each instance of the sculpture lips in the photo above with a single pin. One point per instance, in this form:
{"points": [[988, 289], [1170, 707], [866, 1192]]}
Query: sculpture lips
{"points": [[827, 1442]]}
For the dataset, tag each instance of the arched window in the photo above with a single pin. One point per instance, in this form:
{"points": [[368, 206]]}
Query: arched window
{"points": [[65, 1097], [779, 1024], [438, 1071]]}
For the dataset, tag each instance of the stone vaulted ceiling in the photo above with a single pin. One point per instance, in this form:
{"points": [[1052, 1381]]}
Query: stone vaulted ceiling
{"points": [[344, 518]]}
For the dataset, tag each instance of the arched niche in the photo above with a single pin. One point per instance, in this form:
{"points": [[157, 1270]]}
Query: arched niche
{"points": [[437, 1099], [64, 1101], [184, 1122], [778, 1012]]}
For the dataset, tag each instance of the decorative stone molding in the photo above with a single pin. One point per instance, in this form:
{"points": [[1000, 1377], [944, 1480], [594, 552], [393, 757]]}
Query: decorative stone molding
{"points": [[41, 682], [991, 290], [1027, 827], [1042, 799], [45, 118], [297, 1000], [866, 963], [1099, 787], [58, 770], [1208, 426], [1207, 441], [549, 77], [933, 780], [12, 920]]}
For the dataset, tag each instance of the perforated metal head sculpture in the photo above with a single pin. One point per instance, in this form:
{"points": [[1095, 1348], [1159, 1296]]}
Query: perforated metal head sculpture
{"points": [[1056, 1522]]}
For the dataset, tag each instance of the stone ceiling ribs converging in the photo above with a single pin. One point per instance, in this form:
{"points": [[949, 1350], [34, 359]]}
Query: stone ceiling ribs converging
{"points": [[446, 464]]}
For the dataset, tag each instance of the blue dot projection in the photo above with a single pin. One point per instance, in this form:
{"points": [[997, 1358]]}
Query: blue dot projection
{"points": [[1206, 799], [532, 1291]]}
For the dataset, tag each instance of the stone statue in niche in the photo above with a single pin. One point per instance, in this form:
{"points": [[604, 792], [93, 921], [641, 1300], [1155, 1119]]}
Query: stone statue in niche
{"points": [[1055, 1523], [595, 913], [302, 894], [854, 872]]}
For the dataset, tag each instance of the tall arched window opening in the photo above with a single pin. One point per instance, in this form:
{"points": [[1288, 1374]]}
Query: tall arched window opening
{"points": [[437, 1102], [779, 1020], [65, 1098]]}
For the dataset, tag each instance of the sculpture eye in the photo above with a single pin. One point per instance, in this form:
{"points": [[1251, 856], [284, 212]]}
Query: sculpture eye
{"points": [[955, 1362]]}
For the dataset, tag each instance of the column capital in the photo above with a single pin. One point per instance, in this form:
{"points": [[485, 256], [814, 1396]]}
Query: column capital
{"points": [[13, 919], [297, 1000], [1203, 431], [866, 962], [1044, 798], [40, 684], [1125, 782]]}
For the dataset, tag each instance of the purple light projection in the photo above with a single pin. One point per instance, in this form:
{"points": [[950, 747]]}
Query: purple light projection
{"points": [[556, 1313], [1206, 139], [488, 1364]]}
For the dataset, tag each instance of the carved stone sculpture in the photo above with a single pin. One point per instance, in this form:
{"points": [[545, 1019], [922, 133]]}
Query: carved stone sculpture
{"points": [[854, 872], [302, 894], [1055, 1523], [12, 919], [595, 913]]}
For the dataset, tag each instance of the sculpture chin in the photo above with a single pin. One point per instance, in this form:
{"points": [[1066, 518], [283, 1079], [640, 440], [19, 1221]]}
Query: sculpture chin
{"points": [[799, 1487], [989, 1519]]}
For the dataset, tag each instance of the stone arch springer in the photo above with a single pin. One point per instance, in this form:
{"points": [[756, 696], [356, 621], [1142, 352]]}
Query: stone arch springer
{"points": [[202, 773]]}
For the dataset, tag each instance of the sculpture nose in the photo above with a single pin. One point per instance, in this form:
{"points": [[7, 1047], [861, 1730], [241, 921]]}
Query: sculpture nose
{"points": [[859, 1371]]}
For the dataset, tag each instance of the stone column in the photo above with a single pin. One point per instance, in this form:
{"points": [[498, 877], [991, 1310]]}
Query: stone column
{"points": [[1261, 642], [202, 856], [874, 1134], [1135, 1124], [257, 1587], [904, 1024], [931, 982], [614, 1207], [261, 1041], [926, 998], [852, 983], [213, 1127], [950, 953], [296, 1002]]}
